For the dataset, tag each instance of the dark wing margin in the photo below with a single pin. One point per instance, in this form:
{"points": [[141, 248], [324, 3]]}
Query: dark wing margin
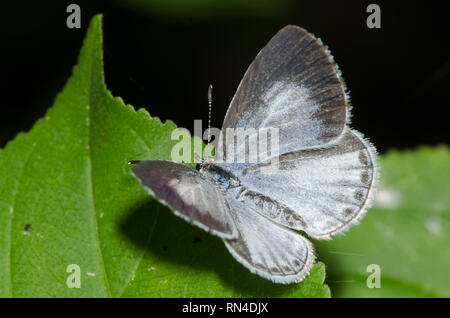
{"points": [[188, 194], [292, 84]]}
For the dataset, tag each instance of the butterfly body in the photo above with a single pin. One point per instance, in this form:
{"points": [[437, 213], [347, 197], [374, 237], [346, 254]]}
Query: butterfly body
{"points": [[317, 178]]}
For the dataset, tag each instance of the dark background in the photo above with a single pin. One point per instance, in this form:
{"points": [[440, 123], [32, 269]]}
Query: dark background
{"points": [[164, 54]]}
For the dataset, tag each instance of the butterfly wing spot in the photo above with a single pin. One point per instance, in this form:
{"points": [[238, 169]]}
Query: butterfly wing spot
{"points": [[274, 270], [364, 177], [359, 195], [348, 211], [363, 158]]}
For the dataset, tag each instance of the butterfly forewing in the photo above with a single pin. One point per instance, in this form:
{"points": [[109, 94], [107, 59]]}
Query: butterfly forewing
{"points": [[292, 85], [188, 193]]}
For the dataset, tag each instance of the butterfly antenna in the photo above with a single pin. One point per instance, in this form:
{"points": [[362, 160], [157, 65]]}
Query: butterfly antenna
{"points": [[209, 111]]}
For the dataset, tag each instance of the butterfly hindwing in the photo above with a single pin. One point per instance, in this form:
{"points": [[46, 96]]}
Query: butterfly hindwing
{"points": [[268, 249], [320, 191]]}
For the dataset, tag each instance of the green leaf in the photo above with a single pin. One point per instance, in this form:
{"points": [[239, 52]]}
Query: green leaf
{"points": [[406, 233], [67, 197]]}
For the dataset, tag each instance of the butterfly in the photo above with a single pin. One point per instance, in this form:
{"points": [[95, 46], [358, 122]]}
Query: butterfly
{"points": [[320, 183]]}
